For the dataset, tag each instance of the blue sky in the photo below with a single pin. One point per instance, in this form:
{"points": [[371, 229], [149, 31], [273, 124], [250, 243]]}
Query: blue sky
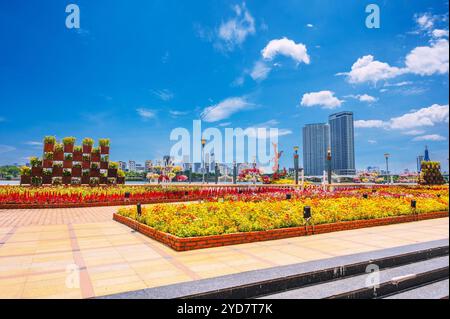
{"points": [[136, 70]]}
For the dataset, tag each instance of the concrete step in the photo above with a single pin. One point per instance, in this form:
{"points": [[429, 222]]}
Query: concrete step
{"points": [[389, 280], [437, 290]]}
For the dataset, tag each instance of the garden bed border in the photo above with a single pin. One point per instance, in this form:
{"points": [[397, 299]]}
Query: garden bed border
{"points": [[192, 243]]}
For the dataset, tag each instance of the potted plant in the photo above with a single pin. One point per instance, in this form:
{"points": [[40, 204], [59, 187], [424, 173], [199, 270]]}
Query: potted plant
{"points": [[76, 169], [94, 181], [111, 180], [95, 170], [67, 175], [57, 180], [75, 181], [68, 157], [58, 153], [77, 153], [95, 154], [36, 181], [112, 169], [120, 177], [47, 176], [49, 143], [85, 176], [104, 145], [69, 142], [57, 169], [48, 160], [25, 175], [87, 145], [36, 166], [86, 161]]}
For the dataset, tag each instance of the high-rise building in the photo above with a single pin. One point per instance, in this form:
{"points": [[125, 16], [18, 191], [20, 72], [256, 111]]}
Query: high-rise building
{"points": [[197, 167], [420, 159], [342, 142], [132, 166], [316, 139], [148, 165], [123, 166], [207, 162]]}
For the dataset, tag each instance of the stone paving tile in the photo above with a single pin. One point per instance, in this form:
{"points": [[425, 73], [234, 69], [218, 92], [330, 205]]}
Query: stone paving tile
{"points": [[40, 247]]}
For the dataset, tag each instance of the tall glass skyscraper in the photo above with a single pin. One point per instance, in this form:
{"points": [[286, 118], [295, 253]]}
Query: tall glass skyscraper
{"points": [[316, 139], [342, 143]]}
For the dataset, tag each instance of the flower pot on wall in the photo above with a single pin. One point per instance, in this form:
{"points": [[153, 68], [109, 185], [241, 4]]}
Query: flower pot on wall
{"points": [[85, 180], [104, 150], [86, 164], [67, 164], [68, 148], [112, 172], [95, 172], [46, 180], [66, 180], [57, 171], [95, 157], [58, 156], [104, 165], [25, 180], [120, 180], [76, 171], [47, 164], [103, 180], [77, 156], [36, 171], [87, 149], [48, 147]]}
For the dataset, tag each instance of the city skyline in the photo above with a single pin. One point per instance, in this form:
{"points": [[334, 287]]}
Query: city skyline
{"points": [[239, 64]]}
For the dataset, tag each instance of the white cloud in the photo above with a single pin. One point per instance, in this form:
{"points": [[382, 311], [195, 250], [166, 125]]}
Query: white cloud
{"points": [[164, 95], [425, 21], [429, 116], [372, 142], [286, 47], [177, 113], [33, 143], [399, 84], [414, 132], [431, 137], [309, 25], [369, 124], [146, 113], [260, 71], [429, 60], [326, 99], [234, 31], [440, 33], [363, 98], [225, 109], [225, 124], [6, 149], [366, 69]]}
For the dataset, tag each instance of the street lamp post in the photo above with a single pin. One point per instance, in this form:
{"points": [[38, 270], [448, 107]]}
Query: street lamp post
{"points": [[216, 173], [190, 173], [203, 160], [329, 165], [386, 156], [296, 164], [234, 172]]}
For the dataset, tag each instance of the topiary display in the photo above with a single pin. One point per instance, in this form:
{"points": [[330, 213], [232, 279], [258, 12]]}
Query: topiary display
{"points": [[431, 174]]}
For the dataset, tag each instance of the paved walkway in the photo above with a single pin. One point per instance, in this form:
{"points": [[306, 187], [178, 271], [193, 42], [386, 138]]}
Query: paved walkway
{"points": [[81, 253]]}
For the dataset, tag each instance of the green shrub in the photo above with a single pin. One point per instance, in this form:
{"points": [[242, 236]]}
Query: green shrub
{"points": [[68, 157], [104, 142], [69, 140], [67, 172], [113, 165], [59, 147], [77, 149], [48, 156], [25, 171], [88, 141], [35, 162], [49, 140]]}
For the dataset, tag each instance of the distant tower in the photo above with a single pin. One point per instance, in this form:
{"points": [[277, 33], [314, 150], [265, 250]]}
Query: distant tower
{"points": [[427, 155]]}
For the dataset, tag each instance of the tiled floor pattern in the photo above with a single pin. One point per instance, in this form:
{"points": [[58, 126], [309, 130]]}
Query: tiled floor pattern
{"points": [[41, 261]]}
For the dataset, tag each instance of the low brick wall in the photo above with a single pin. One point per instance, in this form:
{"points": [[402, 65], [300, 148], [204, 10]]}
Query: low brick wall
{"points": [[191, 243], [97, 204]]}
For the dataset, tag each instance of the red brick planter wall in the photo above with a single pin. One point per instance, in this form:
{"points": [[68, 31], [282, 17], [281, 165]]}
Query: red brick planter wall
{"points": [[184, 244]]}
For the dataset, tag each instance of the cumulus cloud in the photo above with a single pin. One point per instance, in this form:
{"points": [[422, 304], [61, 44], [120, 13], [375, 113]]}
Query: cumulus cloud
{"points": [[429, 60], [225, 109], [234, 31], [286, 47], [369, 124], [440, 33], [363, 98], [164, 95], [425, 21], [428, 116], [367, 69], [146, 114], [431, 137], [412, 122], [260, 71], [325, 99]]}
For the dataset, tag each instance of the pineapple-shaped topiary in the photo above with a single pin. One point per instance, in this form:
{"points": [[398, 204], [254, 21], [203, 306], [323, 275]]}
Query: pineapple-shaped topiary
{"points": [[431, 174]]}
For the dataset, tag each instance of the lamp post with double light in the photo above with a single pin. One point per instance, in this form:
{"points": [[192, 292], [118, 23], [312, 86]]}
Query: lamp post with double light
{"points": [[296, 164], [386, 156], [203, 160]]}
